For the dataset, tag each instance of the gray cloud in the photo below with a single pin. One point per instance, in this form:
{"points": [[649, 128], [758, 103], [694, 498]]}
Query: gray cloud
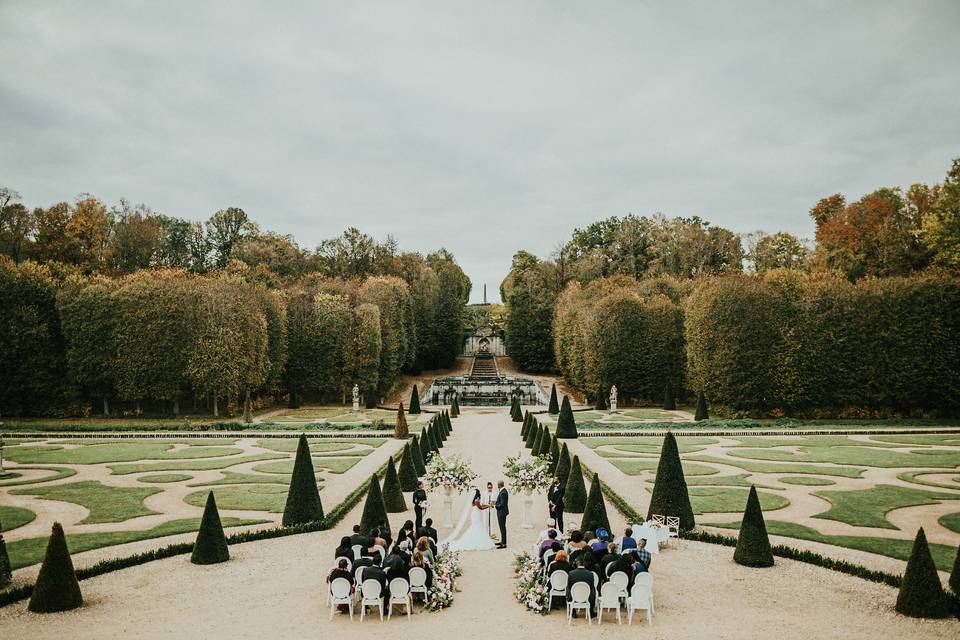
{"points": [[484, 128]]}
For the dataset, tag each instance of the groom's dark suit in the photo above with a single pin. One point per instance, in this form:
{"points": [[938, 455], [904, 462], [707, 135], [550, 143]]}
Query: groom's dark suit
{"points": [[555, 498], [502, 511]]}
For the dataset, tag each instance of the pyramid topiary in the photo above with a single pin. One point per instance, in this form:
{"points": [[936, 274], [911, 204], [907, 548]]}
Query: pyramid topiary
{"points": [[374, 509], [6, 573], [435, 440], [516, 412], [429, 447], [455, 408], [538, 438], [447, 425], [702, 413], [211, 544], [56, 588], [553, 408], [525, 429], [601, 401], [400, 429], [407, 474], [562, 470], [575, 492], [753, 545], [921, 594], [554, 454], [419, 460], [414, 401], [669, 397], [670, 496], [954, 581], [595, 511], [545, 441], [566, 424], [392, 493], [303, 497]]}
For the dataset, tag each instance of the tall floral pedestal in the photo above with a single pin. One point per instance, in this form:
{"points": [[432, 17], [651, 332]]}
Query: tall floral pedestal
{"points": [[448, 507], [527, 509]]}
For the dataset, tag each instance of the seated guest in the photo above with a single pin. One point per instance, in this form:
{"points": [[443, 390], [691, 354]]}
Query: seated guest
{"points": [[548, 543], [384, 534], [545, 533], [643, 557], [627, 542], [600, 544], [558, 563], [345, 549], [395, 566], [623, 563], [366, 561], [374, 572], [404, 549], [340, 571], [423, 546], [609, 557], [370, 548], [357, 537], [429, 531], [582, 574], [375, 539], [589, 537], [419, 560], [576, 545]]}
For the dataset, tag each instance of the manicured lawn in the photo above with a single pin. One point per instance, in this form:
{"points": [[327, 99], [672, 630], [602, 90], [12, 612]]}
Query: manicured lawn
{"points": [[857, 456], [234, 477], [56, 473], [165, 477], [112, 452], [739, 480], [810, 481], [867, 507], [805, 441], [762, 467], [250, 497], [106, 504], [941, 439], [649, 414], [636, 466], [333, 465], [951, 521], [190, 465], [943, 555], [14, 517], [24, 553], [726, 500], [646, 444], [289, 445], [917, 478]]}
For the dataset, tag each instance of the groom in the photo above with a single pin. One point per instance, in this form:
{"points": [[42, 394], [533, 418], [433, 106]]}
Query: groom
{"points": [[502, 511]]}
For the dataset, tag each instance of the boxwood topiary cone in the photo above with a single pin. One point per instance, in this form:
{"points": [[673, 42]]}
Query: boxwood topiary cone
{"points": [[669, 397], [400, 430], [6, 572], [374, 509], [702, 413], [595, 511], [753, 545], [575, 493], [554, 454], [537, 440], [516, 411], [921, 594], [562, 470], [525, 429], [566, 424], [954, 575], [435, 441], [414, 401], [211, 544], [670, 496], [601, 401], [455, 408], [534, 434], [545, 443], [57, 588], [392, 493], [553, 408], [407, 474], [447, 425], [303, 497], [419, 460]]}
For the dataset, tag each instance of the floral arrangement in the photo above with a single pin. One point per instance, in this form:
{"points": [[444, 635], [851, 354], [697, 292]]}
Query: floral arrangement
{"points": [[531, 474], [446, 570], [451, 473], [530, 590]]}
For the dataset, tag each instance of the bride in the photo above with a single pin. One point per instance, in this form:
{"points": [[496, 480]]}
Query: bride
{"points": [[475, 538]]}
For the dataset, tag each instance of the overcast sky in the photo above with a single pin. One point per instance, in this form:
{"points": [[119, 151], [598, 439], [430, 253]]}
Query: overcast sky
{"points": [[482, 127]]}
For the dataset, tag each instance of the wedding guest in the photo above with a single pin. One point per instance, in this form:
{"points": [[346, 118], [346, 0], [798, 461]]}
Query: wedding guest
{"points": [[384, 534], [609, 557], [545, 533], [576, 545], [627, 542], [423, 547], [599, 545], [559, 563], [395, 567], [643, 557], [344, 550], [419, 560], [548, 543], [623, 563], [340, 571], [582, 574], [357, 537], [429, 531], [419, 499]]}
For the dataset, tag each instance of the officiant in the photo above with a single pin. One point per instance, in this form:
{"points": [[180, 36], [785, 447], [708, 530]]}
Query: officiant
{"points": [[489, 497]]}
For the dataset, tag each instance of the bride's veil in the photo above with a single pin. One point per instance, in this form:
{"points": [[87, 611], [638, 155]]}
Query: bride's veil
{"points": [[464, 515]]}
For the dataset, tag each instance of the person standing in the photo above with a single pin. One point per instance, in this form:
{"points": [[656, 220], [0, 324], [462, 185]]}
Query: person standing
{"points": [[419, 500], [503, 510], [555, 499], [489, 498]]}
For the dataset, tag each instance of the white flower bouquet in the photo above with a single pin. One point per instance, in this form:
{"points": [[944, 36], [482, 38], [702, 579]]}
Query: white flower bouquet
{"points": [[446, 570], [450, 473], [530, 589], [532, 474]]}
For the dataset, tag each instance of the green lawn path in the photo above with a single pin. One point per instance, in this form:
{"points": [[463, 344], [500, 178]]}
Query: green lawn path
{"points": [[161, 478], [105, 503], [113, 452], [190, 465], [14, 517], [783, 467], [249, 497], [868, 507]]}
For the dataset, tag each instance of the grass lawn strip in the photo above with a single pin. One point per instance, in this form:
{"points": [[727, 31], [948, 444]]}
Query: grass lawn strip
{"points": [[810, 481], [861, 456], [113, 452], [14, 517], [636, 466], [868, 507], [725, 500], [246, 497], [234, 477], [190, 465], [761, 467], [165, 477], [59, 473], [105, 503], [951, 521], [916, 478], [333, 465]]}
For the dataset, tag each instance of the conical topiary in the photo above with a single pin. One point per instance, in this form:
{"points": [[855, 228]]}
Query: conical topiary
{"points": [[419, 460], [535, 447], [455, 408], [303, 497], [670, 496], [407, 473], [57, 588], [553, 408], [669, 397], [575, 493], [516, 411], [447, 425], [566, 424], [554, 454], [427, 444], [374, 509], [525, 429], [702, 413], [601, 401], [595, 511], [414, 401], [545, 442], [921, 594], [400, 429], [6, 572], [532, 436], [211, 544], [753, 545], [954, 581], [562, 469], [435, 441], [392, 493]]}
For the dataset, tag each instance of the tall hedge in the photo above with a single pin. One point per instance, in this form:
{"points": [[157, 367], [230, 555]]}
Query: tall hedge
{"points": [[600, 402], [400, 430], [595, 511], [414, 401], [56, 588], [210, 546], [921, 594], [575, 493], [537, 439], [374, 509], [702, 413], [670, 496], [562, 470], [407, 474], [554, 454], [553, 408], [392, 491], [6, 572], [669, 397], [303, 497], [543, 448], [419, 459], [566, 423], [753, 545]]}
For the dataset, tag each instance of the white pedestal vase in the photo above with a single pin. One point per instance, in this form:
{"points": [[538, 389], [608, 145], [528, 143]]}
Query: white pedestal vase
{"points": [[448, 507], [527, 508]]}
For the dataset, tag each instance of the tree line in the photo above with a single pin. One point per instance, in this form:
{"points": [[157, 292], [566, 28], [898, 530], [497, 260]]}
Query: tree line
{"points": [[132, 322]]}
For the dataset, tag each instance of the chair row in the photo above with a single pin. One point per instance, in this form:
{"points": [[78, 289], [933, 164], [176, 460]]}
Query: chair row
{"points": [[370, 594], [609, 597]]}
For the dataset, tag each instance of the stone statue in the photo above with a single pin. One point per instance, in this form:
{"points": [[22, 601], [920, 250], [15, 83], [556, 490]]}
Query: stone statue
{"points": [[613, 399], [356, 399]]}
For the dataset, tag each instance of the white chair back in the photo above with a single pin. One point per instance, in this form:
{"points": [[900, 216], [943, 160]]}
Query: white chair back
{"points": [[548, 556], [418, 577], [357, 574], [381, 551], [620, 579], [580, 593], [673, 522], [399, 588], [645, 579], [558, 581], [371, 590], [657, 519], [357, 551], [610, 595], [641, 597], [340, 588]]}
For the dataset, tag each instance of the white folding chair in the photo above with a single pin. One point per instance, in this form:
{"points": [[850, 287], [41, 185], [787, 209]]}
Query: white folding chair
{"points": [[357, 579], [579, 599], [647, 579], [399, 594], [547, 558], [339, 593], [382, 552], [596, 581], [357, 551], [641, 597], [558, 585], [370, 592], [659, 520], [609, 599], [673, 529], [620, 579], [418, 582]]}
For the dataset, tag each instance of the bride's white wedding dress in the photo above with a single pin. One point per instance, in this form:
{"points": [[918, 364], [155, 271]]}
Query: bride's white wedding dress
{"points": [[475, 538]]}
